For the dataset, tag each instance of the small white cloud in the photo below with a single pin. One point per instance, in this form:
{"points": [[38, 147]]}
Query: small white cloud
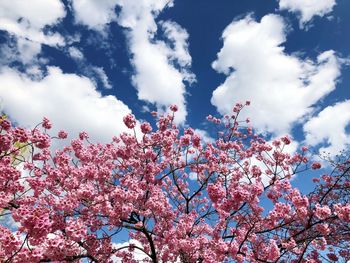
{"points": [[70, 101], [307, 9], [94, 14], [329, 127], [75, 53], [282, 87], [103, 77], [193, 176], [71, 39]]}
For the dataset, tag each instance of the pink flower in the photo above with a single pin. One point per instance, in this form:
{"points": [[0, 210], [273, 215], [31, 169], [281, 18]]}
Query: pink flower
{"points": [[196, 140], [129, 121], [322, 212], [185, 140], [62, 134], [174, 108], [323, 229], [41, 140], [343, 212], [146, 127], [304, 149], [20, 134], [274, 252], [5, 142], [286, 140], [332, 257], [5, 124], [83, 135], [316, 166], [215, 192], [46, 123]]}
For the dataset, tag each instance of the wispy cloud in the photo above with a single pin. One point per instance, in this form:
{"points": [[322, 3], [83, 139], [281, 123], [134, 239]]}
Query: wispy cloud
{"points": [[161, 66], [307, 9]]}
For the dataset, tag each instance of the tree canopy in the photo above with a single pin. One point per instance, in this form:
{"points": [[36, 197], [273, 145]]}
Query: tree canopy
{"points": [[179, 197]]}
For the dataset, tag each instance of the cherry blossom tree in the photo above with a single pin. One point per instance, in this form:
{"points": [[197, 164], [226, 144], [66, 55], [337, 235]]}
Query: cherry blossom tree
{"points": [[183, 199]]}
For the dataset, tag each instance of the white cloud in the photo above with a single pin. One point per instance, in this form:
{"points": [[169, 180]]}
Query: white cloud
{"points": [[93, 72], [329, 127], [94, 14], [135, 11], [8, 221], [27, 19], [27, 22], [307, 9], [178, 37], [161, 66], [204, 136], [27, 49], [193, 176], [138, 255], [70, 101], [75, 53], [103, 77], [282, 87]]}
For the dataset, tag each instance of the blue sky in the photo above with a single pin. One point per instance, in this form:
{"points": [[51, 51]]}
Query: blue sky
{"points": [[85, 64]]}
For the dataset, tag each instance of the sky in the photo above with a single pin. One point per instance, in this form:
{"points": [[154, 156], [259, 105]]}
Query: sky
{"points": [[85, 64]]}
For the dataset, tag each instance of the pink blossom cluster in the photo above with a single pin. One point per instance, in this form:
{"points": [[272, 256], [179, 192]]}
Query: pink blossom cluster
{"points": [[73, 203]]}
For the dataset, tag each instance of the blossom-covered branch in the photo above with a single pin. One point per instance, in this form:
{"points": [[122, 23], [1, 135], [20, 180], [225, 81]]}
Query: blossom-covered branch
{"points": [[181, 198]]}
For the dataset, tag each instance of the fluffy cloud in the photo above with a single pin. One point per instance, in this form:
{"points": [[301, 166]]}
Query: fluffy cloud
{"points": [[27, 50], [329, 127], [161, 66], [21, 50], [307, 9], [27, 19], [70, 101], [282, 87], [94, 14]]}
